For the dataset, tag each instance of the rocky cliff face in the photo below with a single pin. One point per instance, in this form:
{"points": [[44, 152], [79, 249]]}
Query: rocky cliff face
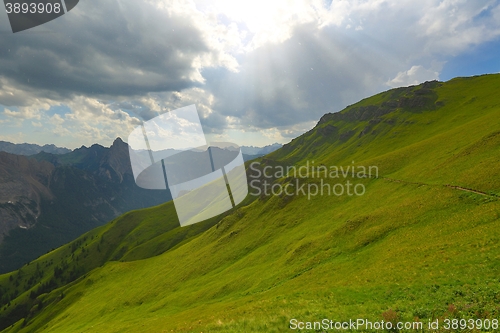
{"points": [[24, 183]]}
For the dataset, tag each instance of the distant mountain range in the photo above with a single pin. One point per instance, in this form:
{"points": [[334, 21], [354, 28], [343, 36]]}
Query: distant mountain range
{"points": [[27, 149], [260, 151], [56, 194]]}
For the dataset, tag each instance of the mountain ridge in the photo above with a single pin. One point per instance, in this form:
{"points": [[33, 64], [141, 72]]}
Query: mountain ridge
{"points": [[27, 149], [252, 150]]}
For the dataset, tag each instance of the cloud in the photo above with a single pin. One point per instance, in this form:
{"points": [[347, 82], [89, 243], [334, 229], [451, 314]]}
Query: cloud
{"points": [[263, 22], [415, 75], [119, 48], [454, 25], [31, 112]]}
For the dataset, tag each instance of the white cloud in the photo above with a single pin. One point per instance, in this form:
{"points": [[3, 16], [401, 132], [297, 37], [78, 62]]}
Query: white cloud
{"points": [[285, 134], [452, 25], [261, 21], [415, 75], [14, 137], [24, 112], [56, 120]]}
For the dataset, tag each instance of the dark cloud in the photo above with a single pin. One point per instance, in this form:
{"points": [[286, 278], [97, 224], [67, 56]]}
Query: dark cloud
{"points": [[110, 48], [214, 123]]}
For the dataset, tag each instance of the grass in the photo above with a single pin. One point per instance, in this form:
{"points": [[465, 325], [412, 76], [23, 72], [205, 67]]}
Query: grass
{"points": [[411, 248]]}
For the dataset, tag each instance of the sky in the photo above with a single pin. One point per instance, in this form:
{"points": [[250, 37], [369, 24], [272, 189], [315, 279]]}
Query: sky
{"points": [[258, 72]]}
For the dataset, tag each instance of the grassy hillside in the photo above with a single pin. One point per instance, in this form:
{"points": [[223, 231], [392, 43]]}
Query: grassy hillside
{"points": [[422, 243]]}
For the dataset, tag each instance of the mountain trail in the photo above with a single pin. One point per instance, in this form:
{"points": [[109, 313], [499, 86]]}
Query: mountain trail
{"points": [[455, 187]]}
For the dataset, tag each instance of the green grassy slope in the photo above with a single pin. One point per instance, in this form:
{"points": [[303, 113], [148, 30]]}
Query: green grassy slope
{"points": [[133, 236], [421, 243]]}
